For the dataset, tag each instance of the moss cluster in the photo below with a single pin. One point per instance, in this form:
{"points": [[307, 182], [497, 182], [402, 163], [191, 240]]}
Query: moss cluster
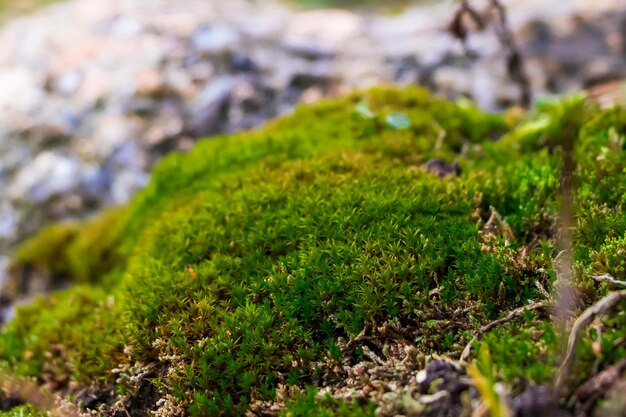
{"points": [[245, 262], [23, 411]]}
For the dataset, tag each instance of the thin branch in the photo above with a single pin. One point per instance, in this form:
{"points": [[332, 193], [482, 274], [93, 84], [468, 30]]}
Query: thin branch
{"points": [[515, 60], [515, 64], [600, 308], [30, 392], [597, 386], [609, 279], [513, 314]]}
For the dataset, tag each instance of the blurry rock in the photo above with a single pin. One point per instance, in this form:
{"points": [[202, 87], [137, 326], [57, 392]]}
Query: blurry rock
{"points": [[214, 39], [19, 90], [537, 401], [491, 87], [108, 133], [126, 184], [251, 103], [445, 371], [206, 110], [178, 83], [4, 264], [95, 182], [608, 93], [9, 219], [243, 63], [201, 71], [442, 384], [141, 106], [127, 156], [320, 33], [538, 37], [453, 80], [54, 125], [311, 95], [406, 69], [149, 82], [304, 80], [311, 51], [96, 85], [68, 83], [12, 158], [49, 174], [125, 26], [168, 124]]}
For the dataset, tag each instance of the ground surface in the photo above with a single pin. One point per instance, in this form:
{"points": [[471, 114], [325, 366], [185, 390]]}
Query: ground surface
{"points": [[339, 251]]}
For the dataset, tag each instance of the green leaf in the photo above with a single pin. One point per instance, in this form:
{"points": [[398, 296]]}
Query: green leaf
{"points": [[363, 110], [398, 121]]}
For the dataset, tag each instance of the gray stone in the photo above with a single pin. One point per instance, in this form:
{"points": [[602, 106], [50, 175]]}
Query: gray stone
{"points": [[126, 184], [49, 174], [206, 109], [9, 220], [19, 90], [4, 264], [214, 39], [68, 83]]}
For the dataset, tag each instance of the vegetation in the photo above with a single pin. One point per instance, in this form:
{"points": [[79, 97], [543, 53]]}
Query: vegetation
{"points": [[245, 263], [23, 411]]}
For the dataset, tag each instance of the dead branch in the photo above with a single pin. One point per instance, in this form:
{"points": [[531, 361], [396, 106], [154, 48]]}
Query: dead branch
{"points": [[609, 279], [515, 64], [596, 387], [513, 314], [600, 308], [30, 392], [515, 61]]}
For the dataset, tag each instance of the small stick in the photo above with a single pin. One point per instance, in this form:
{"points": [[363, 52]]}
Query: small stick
{"points": [[513, 314], [610, 279], [31, 393], [515, 64], [515, 60], [582, 322]]}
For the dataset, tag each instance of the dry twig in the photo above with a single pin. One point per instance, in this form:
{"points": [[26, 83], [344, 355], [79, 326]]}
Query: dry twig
{"points": [[514, 59], [30, 392], [598, 386], [513, 314], [600, 308], [609, 279]]}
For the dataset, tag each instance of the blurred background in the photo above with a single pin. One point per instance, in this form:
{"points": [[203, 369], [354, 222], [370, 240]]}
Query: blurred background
{"points": [[94, 92]]}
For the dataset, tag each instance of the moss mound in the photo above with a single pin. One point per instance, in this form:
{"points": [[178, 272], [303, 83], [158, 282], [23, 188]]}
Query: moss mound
{"points": [[247, 264]]}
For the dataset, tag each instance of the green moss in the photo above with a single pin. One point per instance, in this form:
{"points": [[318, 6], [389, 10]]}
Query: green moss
{"points": [[23, 411], [91, 255], [308, 405], [531, 345], [243, 262], [50, 336], [48, 250]]}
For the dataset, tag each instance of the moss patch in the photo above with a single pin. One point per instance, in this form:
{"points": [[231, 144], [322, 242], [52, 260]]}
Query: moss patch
{"points": [[23, 411], [246, 264]]}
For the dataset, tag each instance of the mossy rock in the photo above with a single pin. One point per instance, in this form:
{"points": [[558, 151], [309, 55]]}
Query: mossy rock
{"points": [[247, 263]]}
